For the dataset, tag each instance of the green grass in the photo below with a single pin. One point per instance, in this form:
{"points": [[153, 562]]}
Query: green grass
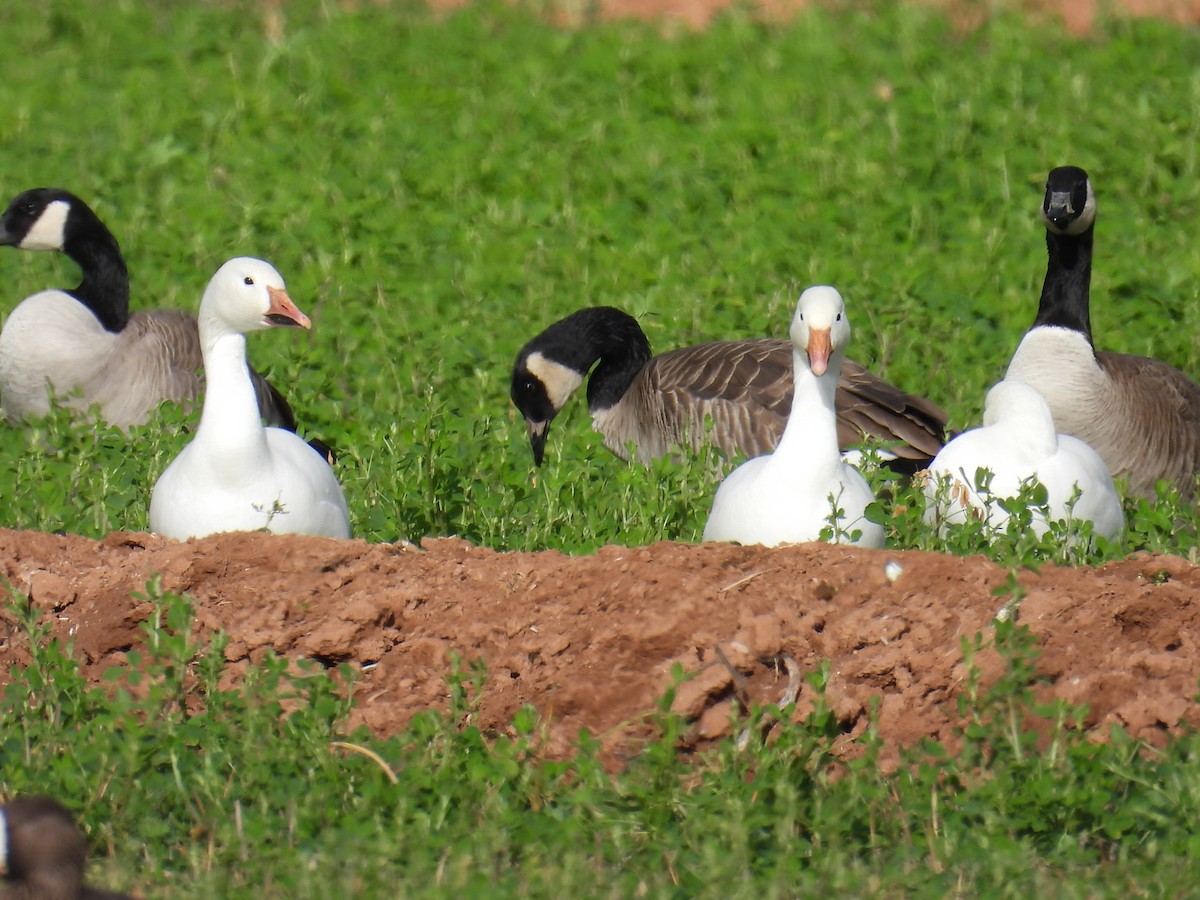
{"points": [[436, 190]]}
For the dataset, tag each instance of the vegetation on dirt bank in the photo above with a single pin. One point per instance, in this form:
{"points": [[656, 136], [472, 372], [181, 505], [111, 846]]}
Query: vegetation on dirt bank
{"points": [[437, 189], [198, 790]]}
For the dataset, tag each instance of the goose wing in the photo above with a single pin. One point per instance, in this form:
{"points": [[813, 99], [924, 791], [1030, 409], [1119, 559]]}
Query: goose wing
{"points": [[869, 407], [155, 357], [1153, 430], [745, 388]]}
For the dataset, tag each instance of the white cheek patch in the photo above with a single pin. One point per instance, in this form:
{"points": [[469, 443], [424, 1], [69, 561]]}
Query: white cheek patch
{"points": [[560, 381], [49, 232], [3, 843]]}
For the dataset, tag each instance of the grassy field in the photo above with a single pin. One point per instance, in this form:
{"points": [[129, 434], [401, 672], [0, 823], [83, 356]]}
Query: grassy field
{"points": [[436, 191]]}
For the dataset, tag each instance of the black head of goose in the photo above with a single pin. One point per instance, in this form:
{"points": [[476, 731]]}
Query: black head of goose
{"points": [[1141, 415], [42, 853], [745, 387], [84, 342]]}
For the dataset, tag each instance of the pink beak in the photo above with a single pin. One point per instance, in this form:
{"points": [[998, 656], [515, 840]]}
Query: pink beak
{"points": [[283, 311], [820, 346]]}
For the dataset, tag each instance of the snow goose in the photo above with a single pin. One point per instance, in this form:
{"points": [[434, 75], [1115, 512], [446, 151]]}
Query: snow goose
{"points": [[790, 495], [84, 342], [1017, 444], [236, 475], [745, 387], [1141, 415], [42, 853]]}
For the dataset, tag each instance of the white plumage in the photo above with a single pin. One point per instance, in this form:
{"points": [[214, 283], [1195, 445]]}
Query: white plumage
{"points": [[236, 475], [790, 495], [1018, 443]]}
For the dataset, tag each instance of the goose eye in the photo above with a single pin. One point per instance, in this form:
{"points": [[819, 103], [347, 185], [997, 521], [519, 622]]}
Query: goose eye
{"points": [[839, 318], [247, 280]]}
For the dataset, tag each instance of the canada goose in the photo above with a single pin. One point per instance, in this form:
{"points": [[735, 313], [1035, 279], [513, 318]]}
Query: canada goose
{"points": [[84, 342], [42, 853], [745, 387], [1018, 443], [786, 496], [1141, 415], [236, 475]]}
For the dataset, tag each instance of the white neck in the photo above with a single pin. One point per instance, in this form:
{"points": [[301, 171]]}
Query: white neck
{"points": [[811, 429], [230, 426]]}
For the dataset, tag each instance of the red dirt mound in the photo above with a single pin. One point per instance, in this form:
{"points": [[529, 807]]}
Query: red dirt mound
{"points": [[590, 641]]}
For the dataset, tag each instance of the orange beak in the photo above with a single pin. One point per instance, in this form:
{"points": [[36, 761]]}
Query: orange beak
{"points": [[283, 311], [820, 345]]}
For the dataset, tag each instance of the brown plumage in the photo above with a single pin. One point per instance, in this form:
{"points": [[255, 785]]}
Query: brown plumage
{"points": [[1140, 414], [743, 387], [42, 853]]}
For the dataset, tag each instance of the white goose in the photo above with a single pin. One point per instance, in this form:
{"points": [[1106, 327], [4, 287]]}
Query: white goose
{"points": [[236, 475], [786, 496], [1016, 443]]}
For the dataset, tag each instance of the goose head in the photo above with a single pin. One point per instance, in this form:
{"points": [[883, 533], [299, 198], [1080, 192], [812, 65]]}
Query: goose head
{"points": [[247, 295], [38, 219], [820, 328], [540, 388], [1069, 206], [552, 366], [1013, 401], [40, 846]]}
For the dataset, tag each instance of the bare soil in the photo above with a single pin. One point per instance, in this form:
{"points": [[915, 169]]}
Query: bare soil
{"points": [[590, 641]]}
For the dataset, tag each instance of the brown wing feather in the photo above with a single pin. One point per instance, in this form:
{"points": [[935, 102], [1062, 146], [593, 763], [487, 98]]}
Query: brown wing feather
{"points": [[1154, 423], [156, 357], [745, 388]]}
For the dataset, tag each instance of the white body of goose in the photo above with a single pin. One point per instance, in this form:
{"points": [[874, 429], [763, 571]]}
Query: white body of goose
{"points": [[790, 495], [236, 475], [743, 389], [1017, 444], [84, 344], [1141, 415]]}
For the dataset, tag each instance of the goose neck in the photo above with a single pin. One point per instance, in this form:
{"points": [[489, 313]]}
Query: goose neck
{"points": [[615, 344], [813, 419], [1065, 292], [229, 419], [105, 285]]}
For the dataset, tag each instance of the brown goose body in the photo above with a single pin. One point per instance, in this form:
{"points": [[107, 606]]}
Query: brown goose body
{"points": [[42, 853], [1140, 414], [84, 344], [735, 395]]}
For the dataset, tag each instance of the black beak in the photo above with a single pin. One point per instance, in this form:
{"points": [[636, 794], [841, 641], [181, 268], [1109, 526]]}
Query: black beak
{"points": [[537, 439], [1058, 211]]}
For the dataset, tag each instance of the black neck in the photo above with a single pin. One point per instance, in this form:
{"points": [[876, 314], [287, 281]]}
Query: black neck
{"points": [[105, 285], [1066, 290], [607, 338]]}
